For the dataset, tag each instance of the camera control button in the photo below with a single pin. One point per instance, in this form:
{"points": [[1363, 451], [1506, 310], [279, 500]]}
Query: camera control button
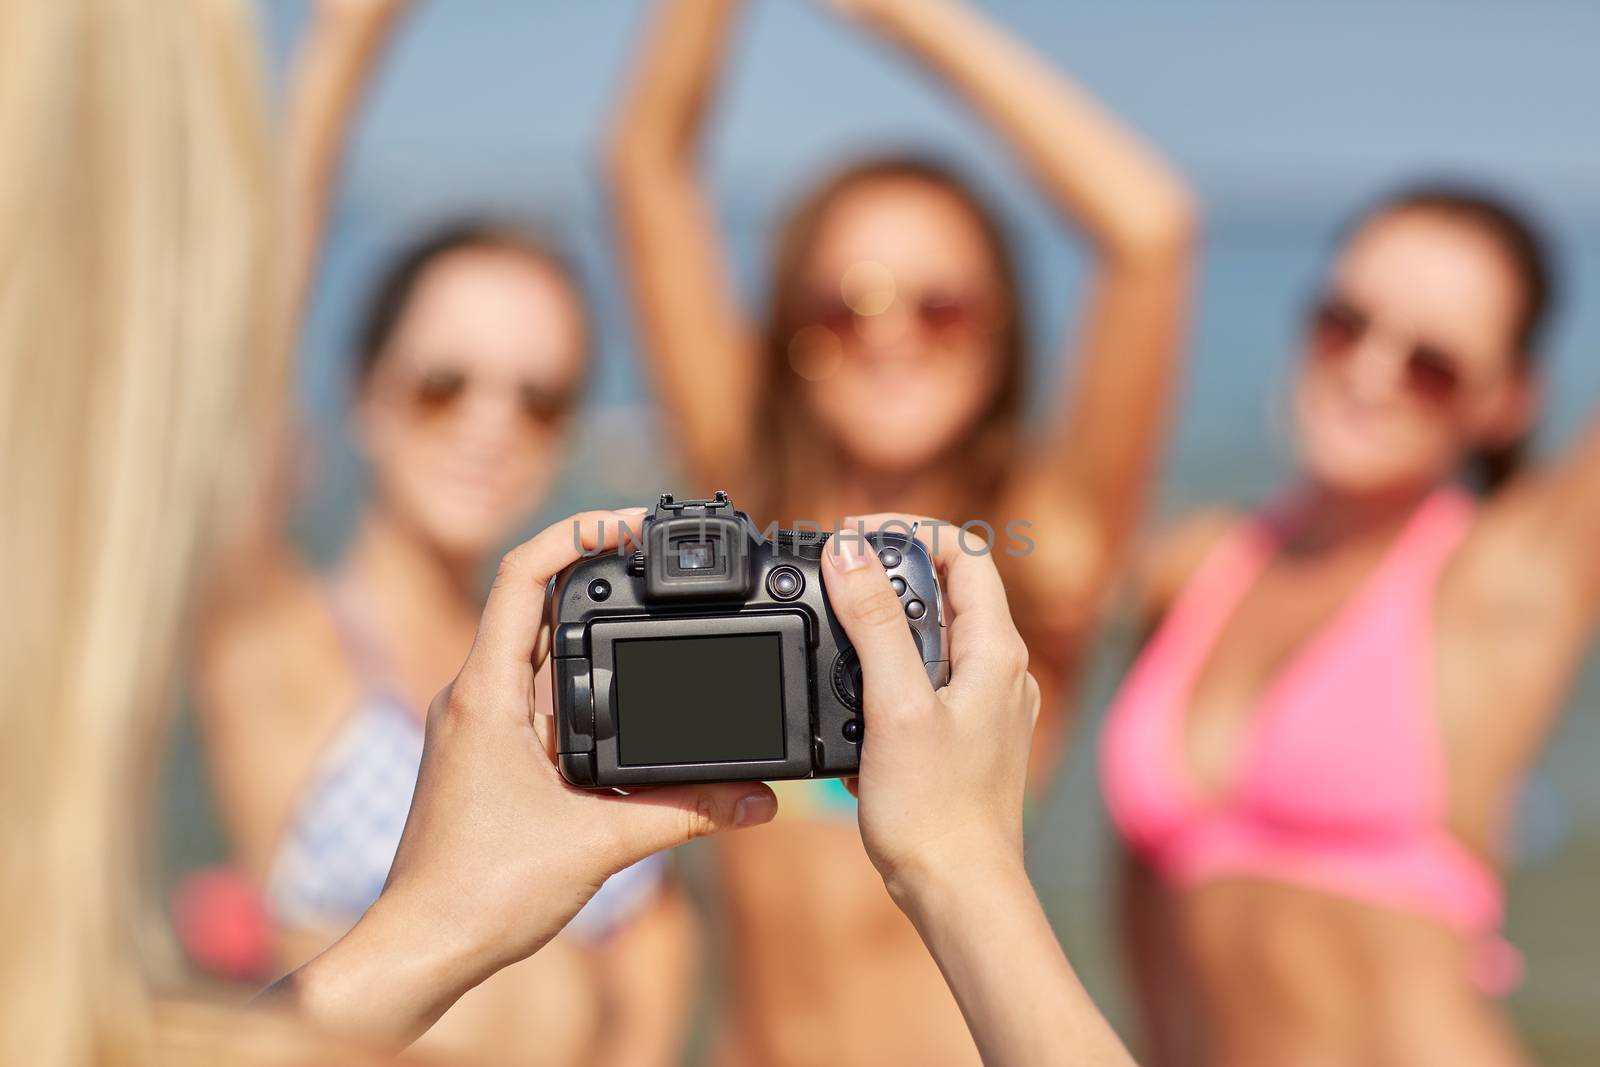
{"points": [[915, 609], [599, 589], [889, 557], [853, 729], [785, 583], [898, 584], [847, 679]]}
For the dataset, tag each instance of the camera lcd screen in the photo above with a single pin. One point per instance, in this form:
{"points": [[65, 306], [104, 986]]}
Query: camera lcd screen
{"points": [[699, 699]]}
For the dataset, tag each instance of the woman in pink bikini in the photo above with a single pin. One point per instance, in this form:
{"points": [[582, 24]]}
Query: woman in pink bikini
{"points": [[1313, 762]]}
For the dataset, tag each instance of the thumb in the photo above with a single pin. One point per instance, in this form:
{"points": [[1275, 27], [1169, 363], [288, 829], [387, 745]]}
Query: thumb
{"points": [[875, 622], [657, 819]]}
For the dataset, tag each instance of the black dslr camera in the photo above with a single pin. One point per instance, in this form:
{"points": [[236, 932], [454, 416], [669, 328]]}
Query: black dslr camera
{"points": [[711, 653]]}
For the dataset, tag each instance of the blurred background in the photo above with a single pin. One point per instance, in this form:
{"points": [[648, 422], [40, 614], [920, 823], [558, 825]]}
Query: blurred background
{"points": [[1285, 117]]}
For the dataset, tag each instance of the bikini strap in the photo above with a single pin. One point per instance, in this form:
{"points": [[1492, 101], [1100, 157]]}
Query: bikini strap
{"points": [[355, 622], [1417, 559], [1228, 568], [1442, 523]]}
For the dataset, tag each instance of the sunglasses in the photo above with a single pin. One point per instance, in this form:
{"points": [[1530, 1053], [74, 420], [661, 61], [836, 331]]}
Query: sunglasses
{"points": [[438, 393], [937, 314], [1337, 327]]}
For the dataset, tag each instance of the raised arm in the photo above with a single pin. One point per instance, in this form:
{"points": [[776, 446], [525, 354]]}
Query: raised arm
{"points": [[341, 46], [1138, 217], [1535, 546], [693, 333], [1568, 496], [335, 63], [253, 701]]}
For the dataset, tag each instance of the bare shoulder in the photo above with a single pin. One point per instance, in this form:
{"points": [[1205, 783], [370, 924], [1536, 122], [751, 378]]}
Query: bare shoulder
{"points": [[272, 684], [270, 652], [1172, 557]]}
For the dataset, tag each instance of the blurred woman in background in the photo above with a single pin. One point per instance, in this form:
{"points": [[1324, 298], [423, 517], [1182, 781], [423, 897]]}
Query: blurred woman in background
{"points": [[890, 373], [471, 359], [1315, 759]]}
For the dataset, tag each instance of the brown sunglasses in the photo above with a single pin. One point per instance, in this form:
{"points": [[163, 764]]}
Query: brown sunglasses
{"points": [[935, 312], [439, 392], [1337, 326]]}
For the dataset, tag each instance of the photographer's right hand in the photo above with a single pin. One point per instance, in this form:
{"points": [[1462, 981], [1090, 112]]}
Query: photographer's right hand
{"points": [[498, 852]]}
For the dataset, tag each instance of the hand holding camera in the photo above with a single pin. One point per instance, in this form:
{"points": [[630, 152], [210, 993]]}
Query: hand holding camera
{"points": [[943, 773], [944, 770], [498, 852], [711, 653]]}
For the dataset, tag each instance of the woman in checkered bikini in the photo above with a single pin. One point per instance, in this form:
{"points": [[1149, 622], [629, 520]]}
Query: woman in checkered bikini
{"points": [[314, 687]]}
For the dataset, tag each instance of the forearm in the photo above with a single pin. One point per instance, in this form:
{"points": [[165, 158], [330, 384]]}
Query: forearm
{"points": [[341, 44], [1118, 399], [385, 982], [333, 68], [666, 104], [692, 330], [1019, 995], [1119, 192]]}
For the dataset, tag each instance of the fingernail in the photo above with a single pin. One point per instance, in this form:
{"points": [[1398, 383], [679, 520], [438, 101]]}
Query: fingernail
{"points": [[631, 511], [847, 552], [755, 809]]}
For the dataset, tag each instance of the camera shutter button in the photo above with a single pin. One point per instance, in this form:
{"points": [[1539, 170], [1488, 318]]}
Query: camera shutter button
{"points": [[599, 589]]}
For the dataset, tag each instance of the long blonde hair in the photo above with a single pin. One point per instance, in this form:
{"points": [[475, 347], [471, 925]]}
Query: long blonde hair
{"points": [[140, 368]]}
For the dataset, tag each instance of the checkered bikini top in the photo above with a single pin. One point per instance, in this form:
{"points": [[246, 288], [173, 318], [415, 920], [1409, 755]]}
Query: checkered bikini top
{"points": [[334, 855]]}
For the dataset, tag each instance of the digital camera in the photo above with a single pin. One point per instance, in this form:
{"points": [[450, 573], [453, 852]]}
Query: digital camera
{"points": [[701, 650]]}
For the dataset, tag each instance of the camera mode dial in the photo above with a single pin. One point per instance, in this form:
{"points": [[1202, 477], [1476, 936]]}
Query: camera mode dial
{"points": [[847, 678]]}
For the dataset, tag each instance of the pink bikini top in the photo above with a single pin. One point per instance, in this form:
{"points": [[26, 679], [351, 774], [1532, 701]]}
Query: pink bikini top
{"points": [[1342, 784]]}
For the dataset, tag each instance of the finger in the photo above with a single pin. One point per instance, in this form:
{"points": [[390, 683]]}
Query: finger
{"points": [[541, 709], [509, 629], [931, 534], [544, 728], [657, 819], [875, 622], [542, 703], [983, 639]]}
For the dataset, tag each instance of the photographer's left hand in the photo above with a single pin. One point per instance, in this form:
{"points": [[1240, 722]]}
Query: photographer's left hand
{"points": [[941, 788], [498, 853]]}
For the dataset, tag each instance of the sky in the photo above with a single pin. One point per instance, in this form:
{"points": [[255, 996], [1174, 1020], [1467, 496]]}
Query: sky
{"points": [[1271, 107]]}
